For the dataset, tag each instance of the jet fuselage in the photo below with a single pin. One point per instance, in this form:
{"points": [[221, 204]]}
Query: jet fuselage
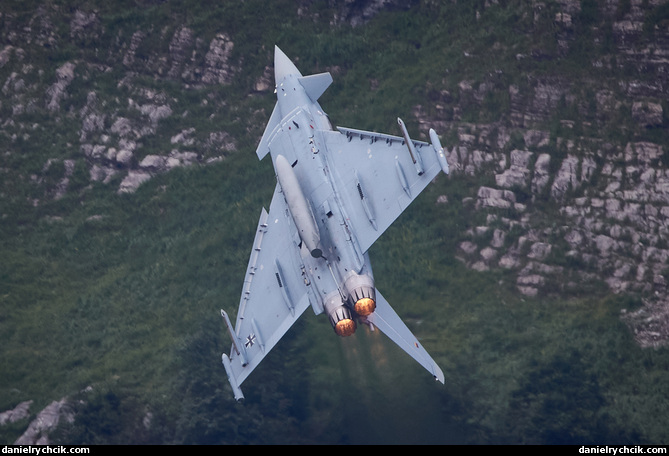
{"points": [[337, 191], [335, 265]]}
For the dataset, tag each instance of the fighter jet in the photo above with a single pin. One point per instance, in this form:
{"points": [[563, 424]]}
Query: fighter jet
{"points": [[338, 189]]}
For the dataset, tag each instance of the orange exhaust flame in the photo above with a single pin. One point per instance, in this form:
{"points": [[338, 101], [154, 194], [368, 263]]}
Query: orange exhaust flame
{"points": [[365, 306], [345, 327]]}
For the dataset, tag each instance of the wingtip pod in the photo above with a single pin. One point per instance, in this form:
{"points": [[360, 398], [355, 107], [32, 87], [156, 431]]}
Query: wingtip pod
{"points": [[436, 144], [236, 390]]}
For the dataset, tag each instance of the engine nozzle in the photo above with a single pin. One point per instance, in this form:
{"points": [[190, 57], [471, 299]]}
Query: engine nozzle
{"points": [[361, 294], [342, 321], [364, 306], [345, 328]]}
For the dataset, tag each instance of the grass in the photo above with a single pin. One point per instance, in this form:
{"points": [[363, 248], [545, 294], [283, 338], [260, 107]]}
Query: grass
{"points": [[128, 304]]}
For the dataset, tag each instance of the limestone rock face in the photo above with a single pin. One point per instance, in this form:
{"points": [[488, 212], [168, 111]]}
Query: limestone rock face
{"points": [[20, 412], [518, 173], [566, 178], [180, 46], [492, 197], [570, 207], [143, 101], [55, 93], [133, 180], [46, 421], [647, 114], [610, 216], [217, 68]]}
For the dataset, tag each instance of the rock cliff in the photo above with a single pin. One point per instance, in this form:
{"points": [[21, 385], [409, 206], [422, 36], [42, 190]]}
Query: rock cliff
{"points": [[571, 205], [580, 167], [561, 130]]}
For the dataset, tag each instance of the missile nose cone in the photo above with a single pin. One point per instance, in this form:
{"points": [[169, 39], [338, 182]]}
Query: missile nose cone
{"points": [[283, 66]]}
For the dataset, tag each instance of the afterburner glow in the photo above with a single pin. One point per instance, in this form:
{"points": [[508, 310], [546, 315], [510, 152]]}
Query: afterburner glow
{"points": [[345, 327], [365, 306]]}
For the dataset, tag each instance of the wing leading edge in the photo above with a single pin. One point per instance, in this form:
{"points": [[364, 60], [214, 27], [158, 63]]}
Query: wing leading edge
{"points": [[273, 296], [379, 175]]}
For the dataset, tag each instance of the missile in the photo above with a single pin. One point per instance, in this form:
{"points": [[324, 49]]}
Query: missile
{"points": [[402, 177], [415, 158], [436, 144], [235, 340], [298, 206]]}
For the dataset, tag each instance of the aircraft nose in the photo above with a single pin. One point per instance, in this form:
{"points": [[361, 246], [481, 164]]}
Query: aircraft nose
{"points": [[283, 66]]}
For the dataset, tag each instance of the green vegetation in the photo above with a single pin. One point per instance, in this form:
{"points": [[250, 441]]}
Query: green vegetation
{"points": [[121, 293], [128, 305]]}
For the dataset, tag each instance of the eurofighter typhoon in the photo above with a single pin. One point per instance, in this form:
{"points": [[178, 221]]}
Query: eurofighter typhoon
{"points": [[337, 191]]}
